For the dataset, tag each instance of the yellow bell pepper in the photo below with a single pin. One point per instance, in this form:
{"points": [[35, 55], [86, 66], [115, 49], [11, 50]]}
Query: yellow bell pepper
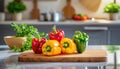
{"points": [[67, 45], [51, 47]]}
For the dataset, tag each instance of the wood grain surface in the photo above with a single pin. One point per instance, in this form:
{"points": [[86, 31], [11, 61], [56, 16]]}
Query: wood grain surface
{"points": [[87, 56], [68, 10], [91, 5]]}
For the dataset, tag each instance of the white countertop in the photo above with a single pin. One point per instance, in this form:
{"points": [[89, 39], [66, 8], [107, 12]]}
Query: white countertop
{"points": [[9, 60], [4, 49], [66, 22]]}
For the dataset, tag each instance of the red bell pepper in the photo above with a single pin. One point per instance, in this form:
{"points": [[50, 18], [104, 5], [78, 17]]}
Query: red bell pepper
{"points": [[37, 44], [56, 34]]}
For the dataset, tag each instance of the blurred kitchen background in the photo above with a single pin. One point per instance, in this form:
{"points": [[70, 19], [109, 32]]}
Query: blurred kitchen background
{"points": [[101, 33], [58, 5]]}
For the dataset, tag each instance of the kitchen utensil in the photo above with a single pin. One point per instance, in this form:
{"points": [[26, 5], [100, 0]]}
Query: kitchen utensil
{"points": [[87, 56], [12, 41], [48, 16], [57, 16], [35, 11], [91, 5], [68, 10]]}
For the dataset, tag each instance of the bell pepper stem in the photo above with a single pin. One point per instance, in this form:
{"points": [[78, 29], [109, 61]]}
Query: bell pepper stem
{"points": [[54, 29], [48, 48], [77, 32], [66, 45]]}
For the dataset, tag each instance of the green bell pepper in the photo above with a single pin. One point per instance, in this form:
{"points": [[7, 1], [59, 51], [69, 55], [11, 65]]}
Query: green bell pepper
{"points": [[81, 41]]}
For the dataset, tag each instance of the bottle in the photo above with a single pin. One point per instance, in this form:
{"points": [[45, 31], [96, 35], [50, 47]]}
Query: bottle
{"points": [[48, 16]]}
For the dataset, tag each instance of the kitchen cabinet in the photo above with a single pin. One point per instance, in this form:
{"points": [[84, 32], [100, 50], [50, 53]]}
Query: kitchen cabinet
{"points": [[5, 30], [114, 35], [102, 34], [98, 35]]}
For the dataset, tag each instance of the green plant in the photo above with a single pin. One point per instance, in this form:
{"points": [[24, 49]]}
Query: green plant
{"points": [[24, 30], [113, 49], [112, 8], [16, 7]]}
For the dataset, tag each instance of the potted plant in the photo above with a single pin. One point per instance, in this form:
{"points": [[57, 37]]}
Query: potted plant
{"points": [[113, 9], [15, 8]]}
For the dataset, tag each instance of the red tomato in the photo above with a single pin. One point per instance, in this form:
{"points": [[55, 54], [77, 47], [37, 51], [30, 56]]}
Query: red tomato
{"points": [[76, 17], [83, 18], [88, 17]]}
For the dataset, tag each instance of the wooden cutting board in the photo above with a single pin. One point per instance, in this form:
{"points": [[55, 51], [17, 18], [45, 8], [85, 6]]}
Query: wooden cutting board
{"points": [[68, 10], [87, 56], [91, 5], [35, 10]]}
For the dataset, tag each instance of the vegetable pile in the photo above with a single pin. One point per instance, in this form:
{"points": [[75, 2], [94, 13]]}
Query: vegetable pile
{"points": [[24, 30], [59, 44], [81, 17], [55, 44]]}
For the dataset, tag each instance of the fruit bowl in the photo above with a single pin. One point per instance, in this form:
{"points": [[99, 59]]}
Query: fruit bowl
{"points": [[12, 41]]}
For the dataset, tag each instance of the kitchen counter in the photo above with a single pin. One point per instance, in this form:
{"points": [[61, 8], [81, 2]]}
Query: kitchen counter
{"points": [[9, 60], [66, 22]]}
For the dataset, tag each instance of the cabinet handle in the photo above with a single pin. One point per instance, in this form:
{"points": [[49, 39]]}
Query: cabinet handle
{"points": [[95, 28]]}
